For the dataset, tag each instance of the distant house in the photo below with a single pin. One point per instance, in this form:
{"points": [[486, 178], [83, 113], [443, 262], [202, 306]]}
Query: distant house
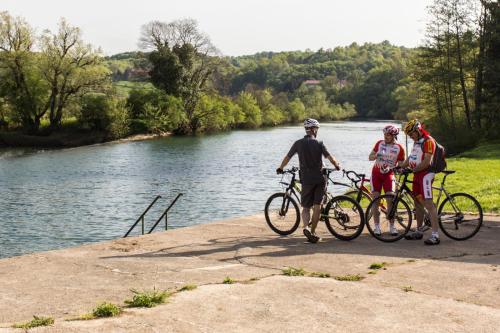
{"points": [[311, 82], [138, 74]]}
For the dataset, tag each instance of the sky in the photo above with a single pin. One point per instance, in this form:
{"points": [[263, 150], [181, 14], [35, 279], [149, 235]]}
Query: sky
{"points": [[236, 27]]}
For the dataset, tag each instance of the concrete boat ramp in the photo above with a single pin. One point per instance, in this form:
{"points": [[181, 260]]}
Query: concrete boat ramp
{"points": [[453, 287]]}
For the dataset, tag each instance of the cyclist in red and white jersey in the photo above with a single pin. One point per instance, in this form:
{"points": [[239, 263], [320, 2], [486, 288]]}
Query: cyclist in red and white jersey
{"points": [[386, 154], [419, 161]]}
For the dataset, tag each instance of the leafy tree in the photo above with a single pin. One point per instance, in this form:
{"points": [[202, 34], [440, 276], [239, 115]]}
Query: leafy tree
{"points": [[251, 110], [70, 68], [490, 98], [153, 110], [104, 113], [21, 82], [182, 60], [296, 111]]}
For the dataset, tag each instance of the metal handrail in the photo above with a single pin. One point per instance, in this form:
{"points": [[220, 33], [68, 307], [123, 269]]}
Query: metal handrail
{"points": [[142, 217], [165, 214]]}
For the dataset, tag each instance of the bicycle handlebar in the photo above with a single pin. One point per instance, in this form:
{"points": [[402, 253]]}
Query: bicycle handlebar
{"points": [[291, 170], [357, 176], [402, 171]]}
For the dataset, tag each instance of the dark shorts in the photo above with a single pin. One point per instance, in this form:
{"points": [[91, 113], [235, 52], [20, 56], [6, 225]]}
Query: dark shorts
{"points": [[312, 194]]}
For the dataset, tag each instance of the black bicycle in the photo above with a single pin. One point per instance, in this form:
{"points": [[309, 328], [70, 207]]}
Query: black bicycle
{"points": [[343, 216], [460, 215]]}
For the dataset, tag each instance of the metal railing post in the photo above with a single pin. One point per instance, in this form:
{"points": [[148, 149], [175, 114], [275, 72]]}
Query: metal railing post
{"points": [[142, 217], [166, 223], [165, 214]]}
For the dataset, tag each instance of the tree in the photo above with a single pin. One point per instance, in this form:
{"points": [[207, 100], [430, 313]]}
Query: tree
{"points": [[296, 111], [490, 98], [21, 82], [183, 60], [70, 68], [251, 110]]}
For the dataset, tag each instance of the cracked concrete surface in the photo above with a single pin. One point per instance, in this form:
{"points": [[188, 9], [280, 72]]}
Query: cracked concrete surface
{"points": [[453, 287]]}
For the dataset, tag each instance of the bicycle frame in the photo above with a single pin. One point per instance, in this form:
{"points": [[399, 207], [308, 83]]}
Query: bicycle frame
{"points": [[410, 198], [291, 189], [360, 189]]}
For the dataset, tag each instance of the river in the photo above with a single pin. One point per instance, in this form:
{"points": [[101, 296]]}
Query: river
{"points": [[60, 198]]}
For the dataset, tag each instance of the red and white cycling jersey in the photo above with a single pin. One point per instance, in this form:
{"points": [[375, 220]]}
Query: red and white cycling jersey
{"points": [[425, 145], [387, 157]]}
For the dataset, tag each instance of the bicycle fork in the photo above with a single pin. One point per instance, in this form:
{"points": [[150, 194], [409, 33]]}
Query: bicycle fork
{"points": [[285, 204]]}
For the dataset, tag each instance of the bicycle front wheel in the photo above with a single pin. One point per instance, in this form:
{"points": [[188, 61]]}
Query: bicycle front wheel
{"points": [[282, 214], [344, 217], [387, 228], [460, 216]]}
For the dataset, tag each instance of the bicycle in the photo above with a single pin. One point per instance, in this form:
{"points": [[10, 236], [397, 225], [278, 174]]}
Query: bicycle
{"points": [[359, 191], [343, 216], [460, 215]]}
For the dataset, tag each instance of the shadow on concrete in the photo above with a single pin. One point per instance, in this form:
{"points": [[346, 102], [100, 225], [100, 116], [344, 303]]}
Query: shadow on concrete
{"points": [[484, 244]]}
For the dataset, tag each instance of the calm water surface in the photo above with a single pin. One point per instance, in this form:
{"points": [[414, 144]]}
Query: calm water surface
{"points": [[61, 198]]}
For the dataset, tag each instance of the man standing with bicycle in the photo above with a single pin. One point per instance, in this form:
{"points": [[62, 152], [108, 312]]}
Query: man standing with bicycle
{"points": [[419, 161], [310, 152]]}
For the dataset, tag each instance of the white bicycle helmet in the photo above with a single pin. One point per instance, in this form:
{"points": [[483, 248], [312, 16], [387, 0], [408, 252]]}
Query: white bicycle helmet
{"points": [[309, 122]]}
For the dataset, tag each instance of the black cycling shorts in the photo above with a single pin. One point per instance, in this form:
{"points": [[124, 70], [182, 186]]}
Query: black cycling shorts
{"points": [[312, 194]]}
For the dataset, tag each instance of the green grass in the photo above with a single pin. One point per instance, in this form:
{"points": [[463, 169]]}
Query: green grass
{"points": [[290, 271], [147, 299], [106, 310], [407, 288], [228, 280], [123, 88], [478, 174], [349, 277], [320, 274], [36, 322], [377, 265], [86, 316], [188, 287]]}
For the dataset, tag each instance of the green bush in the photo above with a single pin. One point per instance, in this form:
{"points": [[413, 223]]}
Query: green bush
{"points": [[188, 287], [155, 111], [251, 110], [106, 310], [147, 299], [291, 271], [105, 113], [36, 322], [228, 280]]}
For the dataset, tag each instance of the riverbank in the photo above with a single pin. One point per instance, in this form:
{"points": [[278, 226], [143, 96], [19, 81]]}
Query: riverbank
{"points": [[68, 283], [66, 139]]}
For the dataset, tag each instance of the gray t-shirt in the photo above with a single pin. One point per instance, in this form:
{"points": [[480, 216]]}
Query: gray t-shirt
{"points": [[310, 153]]}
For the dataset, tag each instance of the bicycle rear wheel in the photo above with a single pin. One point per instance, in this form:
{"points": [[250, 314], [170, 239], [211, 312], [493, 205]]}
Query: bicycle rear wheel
{"points": [[460, 216], [344, 217], [400, 222], [282, 214]]}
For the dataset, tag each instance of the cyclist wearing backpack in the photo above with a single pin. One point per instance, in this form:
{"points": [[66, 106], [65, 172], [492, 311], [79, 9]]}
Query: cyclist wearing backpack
{"points": [[313, 181], [420, 161], [386, 154]]}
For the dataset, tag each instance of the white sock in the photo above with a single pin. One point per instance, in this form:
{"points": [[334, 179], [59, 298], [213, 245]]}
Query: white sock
{"points": [[435, 234]]}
